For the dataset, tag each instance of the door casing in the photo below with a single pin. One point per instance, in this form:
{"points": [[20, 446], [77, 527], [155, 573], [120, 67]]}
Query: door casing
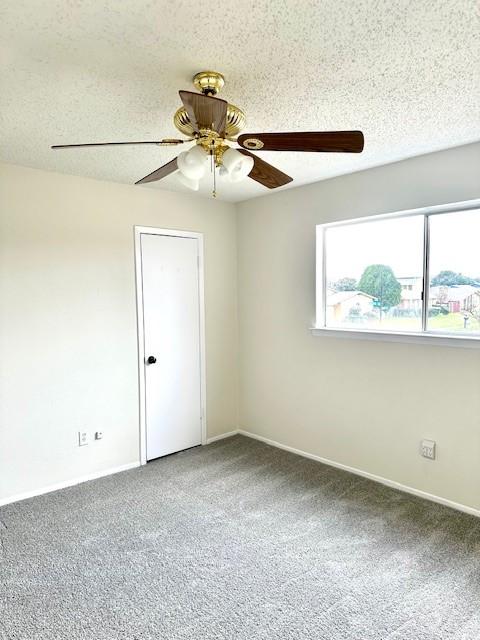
{"points": [[138, 231]]}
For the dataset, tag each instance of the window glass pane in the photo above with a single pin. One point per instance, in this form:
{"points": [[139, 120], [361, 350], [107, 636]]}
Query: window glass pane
{"points": [[454, 291], [374, 275]]}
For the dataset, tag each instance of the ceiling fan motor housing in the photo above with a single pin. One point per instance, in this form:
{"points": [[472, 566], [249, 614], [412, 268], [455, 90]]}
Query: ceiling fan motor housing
{"points": [[234, 125], [210, 83]]}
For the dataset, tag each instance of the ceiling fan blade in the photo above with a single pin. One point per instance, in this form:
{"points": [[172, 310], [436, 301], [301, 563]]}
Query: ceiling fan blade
{"points": [[205, 112], [165, 142], [324, 141], [265, 173], [160, 173]]}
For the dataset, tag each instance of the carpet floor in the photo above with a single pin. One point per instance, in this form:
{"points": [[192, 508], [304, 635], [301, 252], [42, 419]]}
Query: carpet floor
{"points": [[237, 541]]}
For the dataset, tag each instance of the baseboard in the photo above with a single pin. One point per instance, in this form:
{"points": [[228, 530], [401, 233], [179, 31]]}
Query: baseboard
{"points": [[222, 436], [365, 474], [359, 472], [68, 483]]}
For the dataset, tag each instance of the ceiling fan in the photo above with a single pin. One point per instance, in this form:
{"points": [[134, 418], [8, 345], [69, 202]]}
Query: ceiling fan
{"points": [[210, 122]]}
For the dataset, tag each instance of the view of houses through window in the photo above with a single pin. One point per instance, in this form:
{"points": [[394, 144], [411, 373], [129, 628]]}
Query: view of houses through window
{"points": [[454, 293], [374, 273]]}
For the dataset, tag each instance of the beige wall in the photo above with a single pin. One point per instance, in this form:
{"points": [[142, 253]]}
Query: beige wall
{"points": [[68, 354], [364, 404]]}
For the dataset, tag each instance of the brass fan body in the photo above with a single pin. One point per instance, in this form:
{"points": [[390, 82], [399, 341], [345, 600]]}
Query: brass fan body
{"points": [[235, 122], [213, 143], [210, 83]]}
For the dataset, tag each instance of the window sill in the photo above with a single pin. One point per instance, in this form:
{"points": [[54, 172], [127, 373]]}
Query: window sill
{"points": [[433, 339]]}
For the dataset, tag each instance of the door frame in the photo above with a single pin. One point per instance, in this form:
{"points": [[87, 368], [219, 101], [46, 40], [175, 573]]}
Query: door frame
{"points": [[138, 231]]}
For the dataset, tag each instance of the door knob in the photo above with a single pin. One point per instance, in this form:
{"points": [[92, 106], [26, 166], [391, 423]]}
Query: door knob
{"points": [[151, 360]]}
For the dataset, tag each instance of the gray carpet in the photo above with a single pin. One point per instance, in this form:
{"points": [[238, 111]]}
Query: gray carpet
{"points": [[237, 541]]}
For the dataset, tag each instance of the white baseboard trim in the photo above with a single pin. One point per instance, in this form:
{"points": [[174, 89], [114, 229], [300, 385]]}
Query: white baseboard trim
{"points": [[222, 436], [365, 474], [68, 483]]}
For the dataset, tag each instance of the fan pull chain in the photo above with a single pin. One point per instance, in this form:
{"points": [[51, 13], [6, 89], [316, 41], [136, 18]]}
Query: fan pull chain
{"points": [[213, 169]]}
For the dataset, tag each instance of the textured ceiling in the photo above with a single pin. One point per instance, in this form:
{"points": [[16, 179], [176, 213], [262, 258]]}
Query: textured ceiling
{"points": [[406, 72]]}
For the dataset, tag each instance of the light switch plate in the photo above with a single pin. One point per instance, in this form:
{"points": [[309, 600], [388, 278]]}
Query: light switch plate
{"points": [[82, 438]]}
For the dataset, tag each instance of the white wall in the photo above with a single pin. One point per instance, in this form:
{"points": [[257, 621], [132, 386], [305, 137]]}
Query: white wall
{"points": [[68, 354], [360, 403]]}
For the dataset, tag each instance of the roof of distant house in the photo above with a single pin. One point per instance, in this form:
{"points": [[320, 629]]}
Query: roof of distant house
{"points": [[341, 296], [456, 293], [409, 279]]}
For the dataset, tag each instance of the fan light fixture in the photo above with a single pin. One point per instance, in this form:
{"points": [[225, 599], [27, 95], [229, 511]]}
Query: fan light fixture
{"points": [[187, 182], [193, 164], [237, 165]]}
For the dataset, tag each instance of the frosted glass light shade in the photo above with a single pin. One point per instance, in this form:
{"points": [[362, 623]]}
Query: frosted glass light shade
{"points": [[187, 182], [237, 165], [223, 174], [192, 164]]}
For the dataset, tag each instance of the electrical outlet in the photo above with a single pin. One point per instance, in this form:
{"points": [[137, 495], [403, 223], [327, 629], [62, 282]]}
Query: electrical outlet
{"points": [[82, 438], [98, 435], [428, 449]]}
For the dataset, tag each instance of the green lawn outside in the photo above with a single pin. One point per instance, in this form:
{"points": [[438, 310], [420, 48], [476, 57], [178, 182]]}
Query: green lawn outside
{"points": [[452, 322]]}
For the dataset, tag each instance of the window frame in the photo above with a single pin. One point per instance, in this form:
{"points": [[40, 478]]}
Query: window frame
{"points": [[424, 336]]}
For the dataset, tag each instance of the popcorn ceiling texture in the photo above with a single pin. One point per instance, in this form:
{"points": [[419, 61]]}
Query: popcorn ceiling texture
{"points": [[404, 72]]}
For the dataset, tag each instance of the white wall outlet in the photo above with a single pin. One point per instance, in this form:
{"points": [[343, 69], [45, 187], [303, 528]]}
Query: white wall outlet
{"points": [[428, 449], [98, 435], [82, 438]]}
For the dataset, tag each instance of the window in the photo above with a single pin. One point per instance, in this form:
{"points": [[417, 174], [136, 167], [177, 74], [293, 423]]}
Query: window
{"points": [[412, 273], [454, 286]]}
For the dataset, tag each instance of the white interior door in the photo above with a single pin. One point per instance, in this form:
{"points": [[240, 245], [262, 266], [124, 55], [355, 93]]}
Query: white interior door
{"points": [[171, 314]]}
